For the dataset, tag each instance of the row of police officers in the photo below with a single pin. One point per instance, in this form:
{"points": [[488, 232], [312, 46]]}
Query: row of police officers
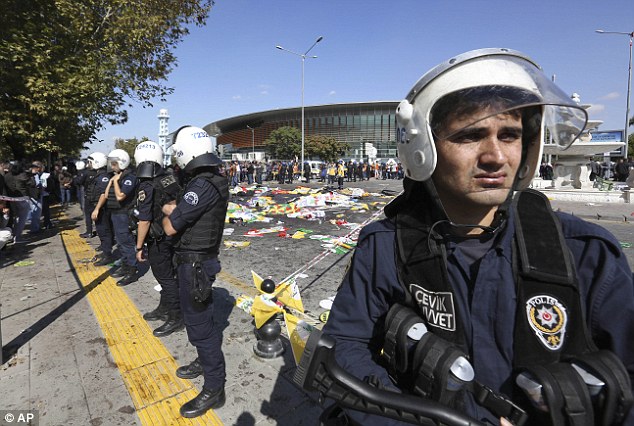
{"points": [[177, 231]]}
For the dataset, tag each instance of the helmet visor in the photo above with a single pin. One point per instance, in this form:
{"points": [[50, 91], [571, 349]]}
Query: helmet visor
{"points": [[562, 119]]}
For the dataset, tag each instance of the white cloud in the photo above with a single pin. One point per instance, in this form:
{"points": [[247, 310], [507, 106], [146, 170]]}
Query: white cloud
{"points": [[264, 89], [597, 108], [610, 96], [236, 97], [332, 93]]}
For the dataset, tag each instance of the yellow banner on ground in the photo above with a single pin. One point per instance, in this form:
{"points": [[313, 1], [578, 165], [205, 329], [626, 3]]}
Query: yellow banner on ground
{"points": [[298, 333], [288, 294], [257, 281], [263, 309]]}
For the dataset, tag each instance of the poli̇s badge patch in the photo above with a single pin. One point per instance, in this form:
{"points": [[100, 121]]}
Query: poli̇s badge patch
{"points": [[191, 198], [141, 196], [548, 319]]}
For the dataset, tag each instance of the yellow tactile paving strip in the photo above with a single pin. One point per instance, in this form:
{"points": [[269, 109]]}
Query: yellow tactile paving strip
{"points": [[147, 367]]}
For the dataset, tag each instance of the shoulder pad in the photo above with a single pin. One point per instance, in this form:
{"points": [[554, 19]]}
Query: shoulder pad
{"points": [[576, 228], [379, 226]]}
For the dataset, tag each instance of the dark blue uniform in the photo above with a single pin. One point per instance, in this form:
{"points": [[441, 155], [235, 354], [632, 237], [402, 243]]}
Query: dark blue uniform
{"points": [[199, 199], [160, 252], [120, 220], [371, 286], [103, 222]]}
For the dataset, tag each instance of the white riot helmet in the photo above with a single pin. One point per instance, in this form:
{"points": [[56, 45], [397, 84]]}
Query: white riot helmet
{"points": [[80, 165], [518, 82], [119, 156], [193, 148], [98, 160], [148, 156]]}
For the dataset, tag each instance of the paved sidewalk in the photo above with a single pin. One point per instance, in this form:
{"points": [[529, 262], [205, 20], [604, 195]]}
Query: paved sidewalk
{"points": [[61, 365], [63, 359]]}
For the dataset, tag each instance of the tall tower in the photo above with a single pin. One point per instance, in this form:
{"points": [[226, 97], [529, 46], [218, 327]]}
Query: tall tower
{"points": [[163, 132]]}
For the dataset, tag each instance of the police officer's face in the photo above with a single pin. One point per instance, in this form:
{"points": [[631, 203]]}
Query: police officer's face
{"points": [[477, 163]]}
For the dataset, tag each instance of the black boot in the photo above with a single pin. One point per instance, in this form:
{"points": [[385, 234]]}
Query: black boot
{"points": [[103, 260], [190, 371], [120, 271], [131, 276], [160, 313], [174, 323], [206, 400]]}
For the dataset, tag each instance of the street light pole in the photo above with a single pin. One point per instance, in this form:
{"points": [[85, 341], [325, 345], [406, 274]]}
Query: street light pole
{"points": [[252, 139], [303, 56], [629, 82]]}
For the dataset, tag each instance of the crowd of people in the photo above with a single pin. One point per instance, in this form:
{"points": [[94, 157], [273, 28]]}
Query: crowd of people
{"points": [[608, 169], [27, 191], [249, 172]]}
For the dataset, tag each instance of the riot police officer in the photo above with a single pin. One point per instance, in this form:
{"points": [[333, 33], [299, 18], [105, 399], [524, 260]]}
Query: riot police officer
{"points": [[156, 188], [85, 179], [198, 222], [96, 196], [119, 196], [481, 268]]}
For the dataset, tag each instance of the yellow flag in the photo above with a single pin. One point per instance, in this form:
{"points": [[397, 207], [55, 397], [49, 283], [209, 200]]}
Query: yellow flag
{"points": [[263, 309], [257, 280], [288, 294], [245, 303], [298, 333]]}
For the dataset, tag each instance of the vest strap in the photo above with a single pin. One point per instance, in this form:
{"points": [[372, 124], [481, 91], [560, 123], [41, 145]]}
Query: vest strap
{"points": [[565, 393], [398, 321], [614, 399]]}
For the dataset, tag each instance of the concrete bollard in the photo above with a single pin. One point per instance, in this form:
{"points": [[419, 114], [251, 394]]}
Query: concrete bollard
{"points": [[269, 344]]}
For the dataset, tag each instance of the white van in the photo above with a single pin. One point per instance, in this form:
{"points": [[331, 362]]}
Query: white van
{"points": [[315, 168]]}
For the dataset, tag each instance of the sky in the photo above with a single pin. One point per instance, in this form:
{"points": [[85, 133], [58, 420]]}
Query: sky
{"points": [[376, 50]]}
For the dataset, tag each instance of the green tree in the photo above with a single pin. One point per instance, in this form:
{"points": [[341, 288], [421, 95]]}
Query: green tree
{"points": [[129, 145], [325, 147], [69, 67], [284, 143]]}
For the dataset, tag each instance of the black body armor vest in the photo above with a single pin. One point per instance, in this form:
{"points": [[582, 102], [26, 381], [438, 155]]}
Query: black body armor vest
{"points": [[112, 203], [91, 185], [166, 189], [206, 233], [546, 284]]}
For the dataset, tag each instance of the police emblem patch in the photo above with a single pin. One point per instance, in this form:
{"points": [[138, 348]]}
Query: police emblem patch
{"points": [[127, 182], [548, 319], [141, 196], [191, 198]]}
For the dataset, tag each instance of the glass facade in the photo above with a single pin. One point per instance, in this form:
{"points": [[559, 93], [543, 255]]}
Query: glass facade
{"points": [[358, 124]]}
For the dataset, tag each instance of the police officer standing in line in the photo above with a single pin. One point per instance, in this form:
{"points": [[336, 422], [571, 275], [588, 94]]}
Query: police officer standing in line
{"points": [[198, 222], [86, 180], [119, 196], [484, 271], [156, 188], [96, 195]]}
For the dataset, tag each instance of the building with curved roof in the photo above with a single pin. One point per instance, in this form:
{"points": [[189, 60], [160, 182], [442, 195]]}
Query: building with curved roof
{"points": [[368, 127]]}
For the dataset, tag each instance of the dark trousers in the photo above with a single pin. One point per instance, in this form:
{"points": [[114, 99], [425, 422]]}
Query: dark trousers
{"points": [[104, 231], [46, 211], [88, 208], [199, 323], [160, 254], [123, 236]]}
